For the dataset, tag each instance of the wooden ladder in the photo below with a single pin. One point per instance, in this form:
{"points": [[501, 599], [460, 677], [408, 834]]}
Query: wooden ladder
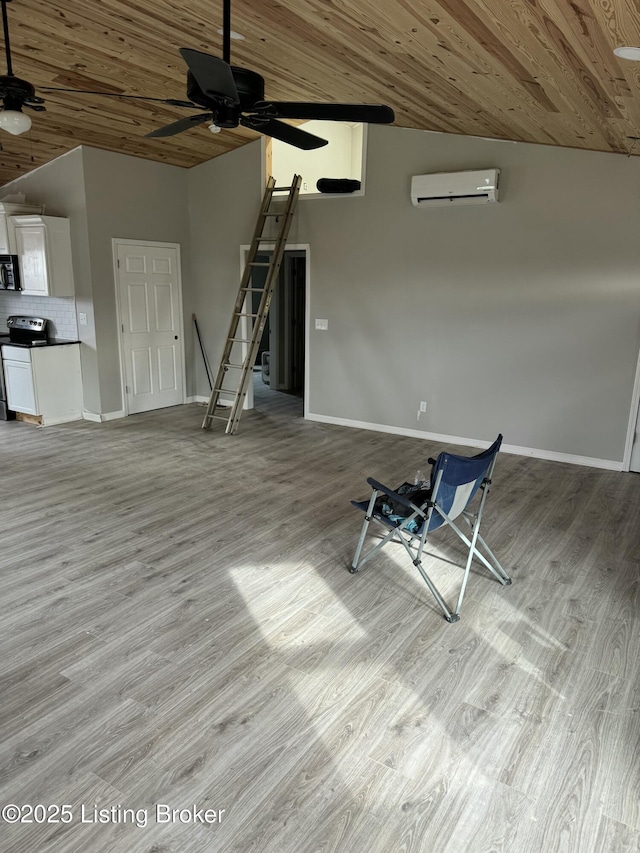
{"points": [[243, 370]]}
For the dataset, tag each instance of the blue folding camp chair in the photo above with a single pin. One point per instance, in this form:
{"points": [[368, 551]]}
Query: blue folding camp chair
{"points": [[410, 514]]}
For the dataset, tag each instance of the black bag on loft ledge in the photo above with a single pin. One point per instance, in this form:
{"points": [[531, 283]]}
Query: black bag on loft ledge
{"points": [[337, 185]]}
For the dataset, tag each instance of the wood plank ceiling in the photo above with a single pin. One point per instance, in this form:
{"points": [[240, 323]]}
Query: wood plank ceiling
{"points": [[529, 70]]}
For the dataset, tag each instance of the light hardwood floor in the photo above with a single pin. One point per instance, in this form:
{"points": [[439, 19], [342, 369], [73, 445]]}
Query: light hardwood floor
{"points": [[179, 627]]}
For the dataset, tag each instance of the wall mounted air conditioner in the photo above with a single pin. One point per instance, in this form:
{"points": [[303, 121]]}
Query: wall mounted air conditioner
{"points": [[449, 188]]}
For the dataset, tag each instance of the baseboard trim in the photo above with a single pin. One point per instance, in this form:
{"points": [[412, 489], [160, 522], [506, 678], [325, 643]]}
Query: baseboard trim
{"points": [[548, 455], [198, 398], [552, 456], [109, 416]]}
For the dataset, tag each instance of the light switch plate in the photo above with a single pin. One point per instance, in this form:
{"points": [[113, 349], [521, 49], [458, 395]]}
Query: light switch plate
{"points": [[322, 324]]}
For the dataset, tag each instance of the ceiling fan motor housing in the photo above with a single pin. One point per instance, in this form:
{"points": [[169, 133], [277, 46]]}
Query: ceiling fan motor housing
{"points": [[249, 84], [16, 90]]}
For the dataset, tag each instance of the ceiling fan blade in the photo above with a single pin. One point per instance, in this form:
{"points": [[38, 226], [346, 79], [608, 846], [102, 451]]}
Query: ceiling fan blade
{"points": [[171, 101], [179, 126], [283, 132], [38, 108], [213, 75], [367, 113]]}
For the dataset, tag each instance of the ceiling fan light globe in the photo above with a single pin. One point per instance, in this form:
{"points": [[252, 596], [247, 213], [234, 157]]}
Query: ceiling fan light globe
{"points": [[14, 122], [632, 53]]}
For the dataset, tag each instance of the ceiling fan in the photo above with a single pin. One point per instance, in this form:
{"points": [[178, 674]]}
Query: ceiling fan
{"points": [[14, 92], [233, 96]]}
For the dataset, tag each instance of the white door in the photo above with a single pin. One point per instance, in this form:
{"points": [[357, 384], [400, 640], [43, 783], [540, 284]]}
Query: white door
{"points": [[151, 326]]}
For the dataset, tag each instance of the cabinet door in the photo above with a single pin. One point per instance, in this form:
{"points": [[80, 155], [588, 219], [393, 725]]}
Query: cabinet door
{"points": [[31, 245], [4, 236], [21, 395]]}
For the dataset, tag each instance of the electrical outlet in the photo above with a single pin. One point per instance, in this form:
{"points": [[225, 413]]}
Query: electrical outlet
{"points": [[322, 324], [423, 405], [82, 318]]}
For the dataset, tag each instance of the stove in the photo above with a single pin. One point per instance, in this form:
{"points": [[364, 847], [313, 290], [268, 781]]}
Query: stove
{"points": [[28, 331]]}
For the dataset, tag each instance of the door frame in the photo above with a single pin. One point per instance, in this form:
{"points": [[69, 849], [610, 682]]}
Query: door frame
{"points": [[121, 241], [289, 247], [634, 414]]}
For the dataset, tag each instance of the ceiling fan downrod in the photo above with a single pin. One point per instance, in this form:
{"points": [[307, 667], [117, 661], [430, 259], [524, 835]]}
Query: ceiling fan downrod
{"points": [[7, 45], [226, 31]]}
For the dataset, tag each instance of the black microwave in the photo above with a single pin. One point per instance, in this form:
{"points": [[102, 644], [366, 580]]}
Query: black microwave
{"points": [[9, 273]]}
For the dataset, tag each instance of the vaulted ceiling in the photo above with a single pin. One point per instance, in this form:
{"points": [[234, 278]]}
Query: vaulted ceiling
{"points": [[529, 70]]}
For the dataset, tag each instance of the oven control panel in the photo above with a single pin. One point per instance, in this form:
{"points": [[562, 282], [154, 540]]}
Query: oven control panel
{"points": [[30, 324]]}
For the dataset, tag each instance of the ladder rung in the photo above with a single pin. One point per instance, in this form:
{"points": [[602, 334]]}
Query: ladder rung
{"points": [[284, 218]]}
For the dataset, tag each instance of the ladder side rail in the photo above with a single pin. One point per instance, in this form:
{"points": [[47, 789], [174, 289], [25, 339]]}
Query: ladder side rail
{"points": [[239, 303], [259, 324], [259, 319]]}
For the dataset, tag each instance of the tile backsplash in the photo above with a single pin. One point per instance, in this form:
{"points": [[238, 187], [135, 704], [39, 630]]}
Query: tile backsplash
{"points": [[60, 312]]}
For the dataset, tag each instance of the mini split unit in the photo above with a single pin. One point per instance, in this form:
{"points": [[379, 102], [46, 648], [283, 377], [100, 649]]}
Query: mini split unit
{"points": [[449, 188]]}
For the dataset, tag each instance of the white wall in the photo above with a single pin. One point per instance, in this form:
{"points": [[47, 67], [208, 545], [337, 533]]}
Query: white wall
{"points": [[521, 317], [59, 186], [341, 158], [224, 198], [137, 200], [108, 195]]}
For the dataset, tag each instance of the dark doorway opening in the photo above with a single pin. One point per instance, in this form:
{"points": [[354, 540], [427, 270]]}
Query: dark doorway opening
{"points": [[280, 362]]}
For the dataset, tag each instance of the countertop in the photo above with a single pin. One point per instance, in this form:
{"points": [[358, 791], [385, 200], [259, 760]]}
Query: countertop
{"points": [[52, 342]]}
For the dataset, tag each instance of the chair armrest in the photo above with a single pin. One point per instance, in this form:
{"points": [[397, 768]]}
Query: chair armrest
{"points": [[401, 499]]}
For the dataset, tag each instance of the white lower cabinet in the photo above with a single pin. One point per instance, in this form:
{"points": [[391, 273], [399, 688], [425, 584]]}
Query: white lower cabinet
{"points": [[44, 381]]}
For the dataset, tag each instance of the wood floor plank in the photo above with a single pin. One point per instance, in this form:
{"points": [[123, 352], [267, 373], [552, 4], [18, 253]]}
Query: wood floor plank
{"points": [[614, 837], [178, 625]]}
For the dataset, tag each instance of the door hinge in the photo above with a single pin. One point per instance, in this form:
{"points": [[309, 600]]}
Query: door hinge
{"points": [[118, 263], [127, 389], [123, 327]]}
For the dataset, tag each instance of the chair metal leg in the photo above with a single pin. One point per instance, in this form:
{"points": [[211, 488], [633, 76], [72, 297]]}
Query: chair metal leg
{"points": [[416, 559], [506, 580], [448, 615], [467, 568], [363, 533]]}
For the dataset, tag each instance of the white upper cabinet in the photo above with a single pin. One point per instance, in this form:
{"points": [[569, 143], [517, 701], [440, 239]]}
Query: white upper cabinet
{"points": [[43, 245], [7, 209]]}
